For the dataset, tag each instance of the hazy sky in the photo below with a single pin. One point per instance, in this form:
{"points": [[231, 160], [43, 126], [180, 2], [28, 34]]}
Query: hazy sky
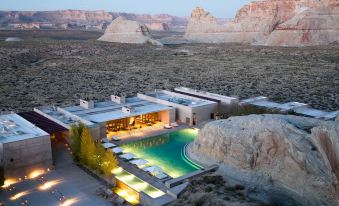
{"points": [[219, 8]]}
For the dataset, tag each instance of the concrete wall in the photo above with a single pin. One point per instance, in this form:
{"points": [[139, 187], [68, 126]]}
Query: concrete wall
{"points": [[98, 131], [21, 157], [203, 113]]}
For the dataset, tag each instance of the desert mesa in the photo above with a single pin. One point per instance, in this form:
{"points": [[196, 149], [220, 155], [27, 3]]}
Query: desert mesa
{"points": [[271, 23]]}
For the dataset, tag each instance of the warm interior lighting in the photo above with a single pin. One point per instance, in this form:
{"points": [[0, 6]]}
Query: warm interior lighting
{"points": [[9, 182], [117, 170], [36, 173], [69, 202], [18, 195], [140, 186], [48, 185], [127, 196]]}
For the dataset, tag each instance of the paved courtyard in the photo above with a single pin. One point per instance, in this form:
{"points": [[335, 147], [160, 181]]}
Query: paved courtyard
{"points": [[67, 182]]}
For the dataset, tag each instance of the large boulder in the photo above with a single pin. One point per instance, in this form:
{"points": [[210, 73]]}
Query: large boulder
{"points": [[271, 22], [122, 30], [287, 160]]}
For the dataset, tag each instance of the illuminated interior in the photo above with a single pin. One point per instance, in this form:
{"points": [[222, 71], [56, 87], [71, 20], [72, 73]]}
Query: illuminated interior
{"points": [[129, 186], [120, 126]]}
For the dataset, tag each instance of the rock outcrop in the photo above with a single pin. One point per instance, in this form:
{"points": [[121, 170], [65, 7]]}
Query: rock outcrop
{"points": [[283, 159], [80, 19], [157, 26], [122, 30], [271, 22]]}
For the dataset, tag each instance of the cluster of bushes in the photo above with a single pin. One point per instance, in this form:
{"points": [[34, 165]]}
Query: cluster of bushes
{"points": [[88, 153]]}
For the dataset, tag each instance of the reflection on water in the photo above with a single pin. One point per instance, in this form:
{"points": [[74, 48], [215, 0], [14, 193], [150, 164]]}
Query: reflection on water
{"points": [[149, 142], [166, 151]]}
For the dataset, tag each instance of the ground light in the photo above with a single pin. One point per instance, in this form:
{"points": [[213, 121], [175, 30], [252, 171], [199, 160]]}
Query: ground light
{"points": [[20, 194], [69, 202], [9, 182], [36, 173], [48, 185]]}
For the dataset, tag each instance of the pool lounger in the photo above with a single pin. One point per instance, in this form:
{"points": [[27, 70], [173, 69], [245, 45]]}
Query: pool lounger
{"points": [[117, 150], [108, 145], [105, 140], [139, 162], [115, 138], [161, 176], [127, 156], [167, 126]]}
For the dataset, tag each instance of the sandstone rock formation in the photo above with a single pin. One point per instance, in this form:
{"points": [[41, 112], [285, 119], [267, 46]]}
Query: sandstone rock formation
{"points": [[81, 19], [271, 22], [157, 26], [282, 159], [126, 31]]}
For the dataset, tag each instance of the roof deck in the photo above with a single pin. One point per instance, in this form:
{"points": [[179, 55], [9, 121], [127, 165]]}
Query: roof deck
{"points": [[109, 110], [180, 99], [206, 95], [297, 107], [15, 128]]}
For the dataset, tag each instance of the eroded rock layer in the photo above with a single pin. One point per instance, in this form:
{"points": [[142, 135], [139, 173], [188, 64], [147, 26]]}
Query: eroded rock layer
{"points": [[122, 30], [283, 159], [271, 22]]}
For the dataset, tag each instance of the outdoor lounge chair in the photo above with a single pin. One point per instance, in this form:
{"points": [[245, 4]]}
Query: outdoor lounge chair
{"points": [[161, 176], [117, 150], [127, 156], [174, 124], [167, 126], [139, 162], [108, 145], [115, 138]]}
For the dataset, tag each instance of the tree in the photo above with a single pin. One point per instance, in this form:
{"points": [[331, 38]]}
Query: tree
{"points": [[109, 162], [76, 133], [87, 149], [99, 155]]}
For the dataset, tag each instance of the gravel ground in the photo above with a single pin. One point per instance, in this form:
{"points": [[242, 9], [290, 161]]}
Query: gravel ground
{"points": [[44, 71]]}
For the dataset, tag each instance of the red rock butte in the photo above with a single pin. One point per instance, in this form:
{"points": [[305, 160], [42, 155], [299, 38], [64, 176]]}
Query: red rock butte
{"points": [[272, 23]]}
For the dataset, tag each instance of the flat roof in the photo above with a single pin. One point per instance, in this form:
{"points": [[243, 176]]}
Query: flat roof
{"points": [[109, 110], [15, 128], [180, 99], [207, 95], [53, 114]]}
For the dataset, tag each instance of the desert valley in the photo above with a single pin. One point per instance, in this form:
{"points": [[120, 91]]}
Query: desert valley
{"points": [[195, 110]]}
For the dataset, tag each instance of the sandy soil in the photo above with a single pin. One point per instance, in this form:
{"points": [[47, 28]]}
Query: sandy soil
{"points": [[44, 71]]}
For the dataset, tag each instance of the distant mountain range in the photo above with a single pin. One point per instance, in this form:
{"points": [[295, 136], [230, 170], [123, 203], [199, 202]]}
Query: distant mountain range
{"points": [[79, 19], [88, 20]]}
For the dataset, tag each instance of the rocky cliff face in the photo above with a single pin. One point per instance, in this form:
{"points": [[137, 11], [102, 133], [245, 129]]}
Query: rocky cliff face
{"points": [[282, 159], [271, 22], [126, 31], [82, 19]]}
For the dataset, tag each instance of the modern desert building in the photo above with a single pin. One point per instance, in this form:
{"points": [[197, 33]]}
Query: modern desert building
{"points": [[23, 146], [189, 110], [107, 117]]}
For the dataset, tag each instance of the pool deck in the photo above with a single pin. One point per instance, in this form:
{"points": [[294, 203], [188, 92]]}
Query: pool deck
{"points": [[135, 136], [142, 175]]}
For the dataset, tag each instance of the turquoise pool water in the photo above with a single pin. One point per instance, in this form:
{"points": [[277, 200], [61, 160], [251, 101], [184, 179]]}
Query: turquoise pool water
{"points": [[166, 151]]}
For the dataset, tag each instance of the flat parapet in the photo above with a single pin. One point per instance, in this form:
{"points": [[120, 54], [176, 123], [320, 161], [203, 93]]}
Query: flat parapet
{"points": [[315, 113], [177, 181], [331, 115], [15, 128], [252, 100], [207, 95], [291, 106]]}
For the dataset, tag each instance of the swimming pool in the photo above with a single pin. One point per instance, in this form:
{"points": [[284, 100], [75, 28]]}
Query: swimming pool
{"points": [[166, 151]]}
